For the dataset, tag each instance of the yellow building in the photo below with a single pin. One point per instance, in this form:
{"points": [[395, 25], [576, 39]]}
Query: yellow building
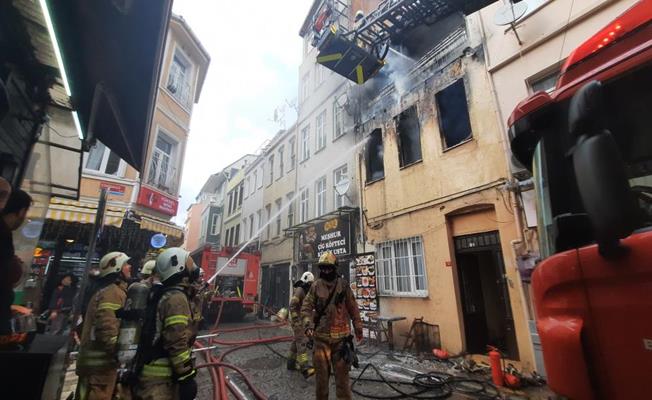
{"points": [[436, 201]]}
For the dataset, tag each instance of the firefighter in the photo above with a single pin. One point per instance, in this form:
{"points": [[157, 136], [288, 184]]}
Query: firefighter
{"points": [[97, 362], [298, 357], [327, 313], [146, 274], [168, 372]]}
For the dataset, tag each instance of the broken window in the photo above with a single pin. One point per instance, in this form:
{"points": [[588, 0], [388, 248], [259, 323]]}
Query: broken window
{"points": [[375, 161], [409, 137], [454, 122]]}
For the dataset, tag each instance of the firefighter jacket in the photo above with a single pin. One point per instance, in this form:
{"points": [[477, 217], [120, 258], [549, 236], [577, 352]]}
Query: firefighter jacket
{"points": [[336, 315], [175, 335], [295, 306], [98, 346]]}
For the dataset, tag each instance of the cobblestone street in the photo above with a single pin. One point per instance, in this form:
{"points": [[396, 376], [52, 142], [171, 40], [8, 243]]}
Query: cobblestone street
{"points": [[266, 368]]}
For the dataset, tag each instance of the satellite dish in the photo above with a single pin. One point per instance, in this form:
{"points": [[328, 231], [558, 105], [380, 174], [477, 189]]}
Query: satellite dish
{"points": [[342, 186], [509, 13], [158, 240]]}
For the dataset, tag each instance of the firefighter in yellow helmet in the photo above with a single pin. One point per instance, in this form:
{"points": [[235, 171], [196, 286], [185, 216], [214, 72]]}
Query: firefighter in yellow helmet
{"points": [[97, 362], [298, 357], [168, 371], [327, 313]]}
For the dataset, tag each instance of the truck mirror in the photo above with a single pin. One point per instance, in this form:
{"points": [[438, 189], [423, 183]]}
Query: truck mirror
{"points": [[604, 189]]}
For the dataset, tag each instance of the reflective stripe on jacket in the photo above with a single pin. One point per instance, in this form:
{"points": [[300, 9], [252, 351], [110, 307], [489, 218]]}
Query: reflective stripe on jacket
{"points": [[98, 345]]}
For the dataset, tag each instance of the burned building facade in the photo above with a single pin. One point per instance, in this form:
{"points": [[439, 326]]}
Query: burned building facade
{"points": [[435, 199]]}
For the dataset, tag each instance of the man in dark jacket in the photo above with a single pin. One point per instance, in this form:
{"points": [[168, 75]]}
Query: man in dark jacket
{"points": [[61, 305], [11, 218]]}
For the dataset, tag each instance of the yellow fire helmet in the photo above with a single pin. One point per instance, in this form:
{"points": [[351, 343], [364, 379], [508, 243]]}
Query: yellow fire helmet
{"points": [[327, 258], [112, 262]]}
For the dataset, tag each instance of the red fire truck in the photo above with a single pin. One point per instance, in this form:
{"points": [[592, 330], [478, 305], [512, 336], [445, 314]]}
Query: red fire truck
{"points": [[589, 148], [236, 286]]}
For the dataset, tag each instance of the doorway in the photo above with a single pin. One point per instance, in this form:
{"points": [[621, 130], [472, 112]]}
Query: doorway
{"points": [[487, 312], [275, 286]]}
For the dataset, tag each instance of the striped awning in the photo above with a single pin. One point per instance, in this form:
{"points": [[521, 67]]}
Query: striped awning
{"points": [[83, 212], [160, 226]]}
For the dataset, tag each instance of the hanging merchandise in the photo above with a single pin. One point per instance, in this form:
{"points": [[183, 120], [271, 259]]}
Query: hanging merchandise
{"points": [[364, 287]]}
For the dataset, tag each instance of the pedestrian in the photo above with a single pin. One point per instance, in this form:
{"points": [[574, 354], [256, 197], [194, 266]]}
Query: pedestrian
{"points": [[12, 216], [298, 357], [327, 313], [168, 371], [97, 361], [60, 305]]}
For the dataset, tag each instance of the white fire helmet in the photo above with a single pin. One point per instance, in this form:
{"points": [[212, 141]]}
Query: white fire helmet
{"points": [[112, 262], [148, 267], [307, 277], [173, 261]]}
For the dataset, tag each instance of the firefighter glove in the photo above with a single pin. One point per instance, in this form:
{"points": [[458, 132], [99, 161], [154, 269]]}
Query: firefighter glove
{"points": [[188, 389]]}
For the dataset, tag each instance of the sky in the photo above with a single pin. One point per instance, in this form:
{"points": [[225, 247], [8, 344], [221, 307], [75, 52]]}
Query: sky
{"points": [[255, 52]]}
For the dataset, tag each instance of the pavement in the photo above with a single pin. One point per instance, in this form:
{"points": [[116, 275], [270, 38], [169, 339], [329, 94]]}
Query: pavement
{"points": [[265, 366]]}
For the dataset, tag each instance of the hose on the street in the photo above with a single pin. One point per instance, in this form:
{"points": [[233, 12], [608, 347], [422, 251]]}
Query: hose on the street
{"points": [[258, 394]]}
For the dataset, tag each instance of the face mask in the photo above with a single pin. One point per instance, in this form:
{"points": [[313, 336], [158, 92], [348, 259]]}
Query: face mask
{"points": [[329, 275]]}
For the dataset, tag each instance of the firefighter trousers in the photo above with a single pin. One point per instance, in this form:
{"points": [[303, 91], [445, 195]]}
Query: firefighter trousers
{"points": [[98, 386], [299, 347], [325, 357], [156, 390]]}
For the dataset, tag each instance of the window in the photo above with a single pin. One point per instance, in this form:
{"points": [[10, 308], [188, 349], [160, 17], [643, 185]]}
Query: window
{"points": [[240, 193], [290, 200], [400, 268], [374, 152], [259, 214], [305, 143], [102, 159], [230, 209], [215, 224], [268, 215], [339, 175], [320, 131], [303, 205], [228, 237], [262, 177], [293, 153], [281, 150], [271, 169], [244, 230], [320, 74], [454, 122], [251, 226], [247, 186], [320, 196], [532, 6], [236, 240], [179, 79], [338, 121], [161, 167], [253, 188], [278, 217], [545, 83], [409, 137], [305, 87]]}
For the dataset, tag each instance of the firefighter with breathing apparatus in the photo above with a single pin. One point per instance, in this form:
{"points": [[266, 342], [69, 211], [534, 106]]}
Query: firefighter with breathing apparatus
{"points": [[146, 274], [97, 361], [327, 313], [298, 357], [164, 366]]}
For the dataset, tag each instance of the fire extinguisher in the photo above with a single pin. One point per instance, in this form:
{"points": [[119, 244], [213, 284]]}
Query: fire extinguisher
{"points": [[496, 367]]}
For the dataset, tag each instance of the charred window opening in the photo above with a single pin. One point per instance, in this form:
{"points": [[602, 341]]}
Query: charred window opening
{"points": [[454, 122], [375, 150], [409, 137]]}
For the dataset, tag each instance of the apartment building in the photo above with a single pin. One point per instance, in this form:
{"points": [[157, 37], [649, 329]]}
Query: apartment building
{"points": [[252, 206], [325, 143], [279, 208], [436, 196], [232, 225]]}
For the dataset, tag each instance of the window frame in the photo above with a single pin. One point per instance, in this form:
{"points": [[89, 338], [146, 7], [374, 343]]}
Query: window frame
{"points": [[189, 77], [369, 179], [400, 138], [304, 205], [278, 221], [173, 163], [387, 268], [291, 211], [214, 223], [445, 147], [305, 143], [337, 197], [320, 131], [122, 165], [281, 163], [270, 161], [293, 153], [320, 196], [338, 120]]}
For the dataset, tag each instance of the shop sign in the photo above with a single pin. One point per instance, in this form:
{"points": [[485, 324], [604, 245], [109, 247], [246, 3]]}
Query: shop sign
{"points": [[333, 235], [157, 201], [113, 188]]}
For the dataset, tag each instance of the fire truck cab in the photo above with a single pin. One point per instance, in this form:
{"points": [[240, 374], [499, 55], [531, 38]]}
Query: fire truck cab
{"points": [[236, 286], [588, 145]]}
